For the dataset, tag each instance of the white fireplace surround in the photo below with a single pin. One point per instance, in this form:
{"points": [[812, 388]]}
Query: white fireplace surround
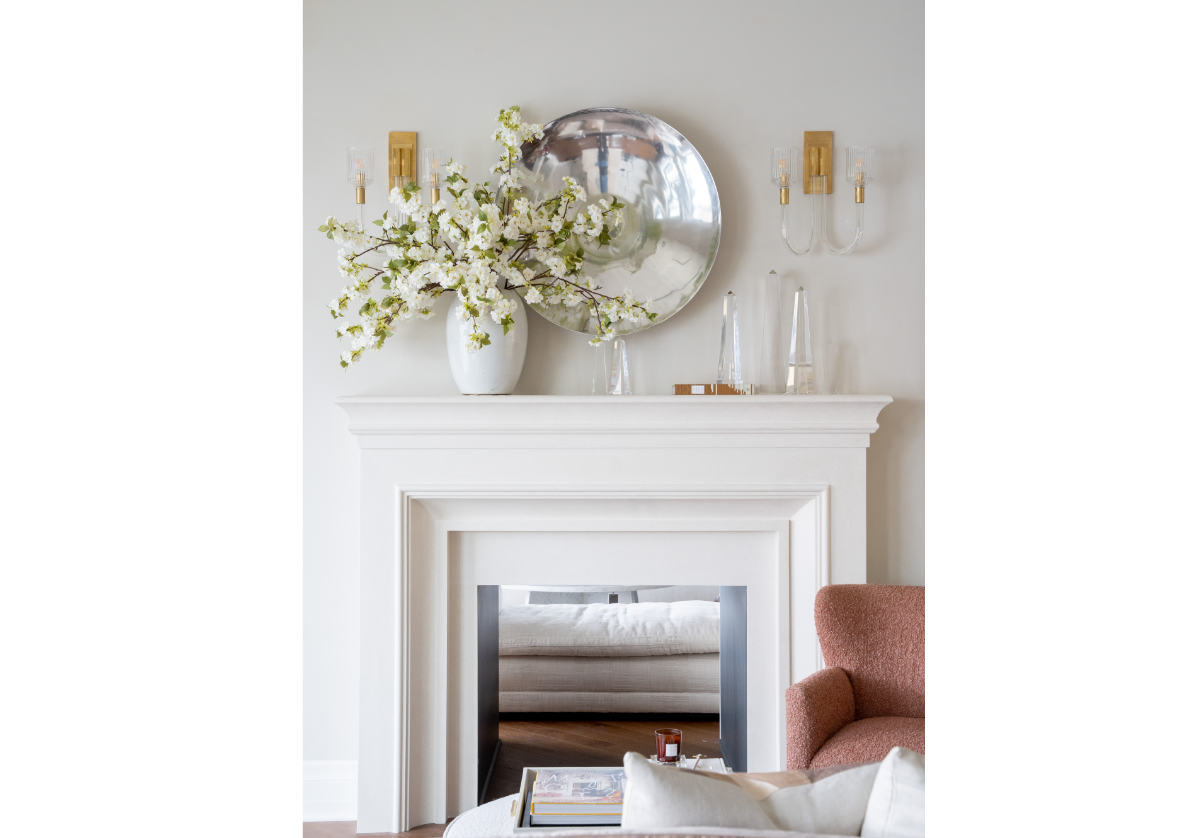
{"points": [[767, 492]]}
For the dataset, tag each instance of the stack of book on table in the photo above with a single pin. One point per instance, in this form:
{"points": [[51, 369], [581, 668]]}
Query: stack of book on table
{"points": [[577, 797]]}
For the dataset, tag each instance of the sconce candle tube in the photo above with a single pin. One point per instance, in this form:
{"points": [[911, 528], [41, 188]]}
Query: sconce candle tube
{"points": [[859, 214], [813, 202]]}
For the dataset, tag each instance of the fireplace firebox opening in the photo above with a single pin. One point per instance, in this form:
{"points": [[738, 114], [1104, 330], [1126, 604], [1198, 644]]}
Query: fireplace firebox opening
{"points": [[578, 674]]}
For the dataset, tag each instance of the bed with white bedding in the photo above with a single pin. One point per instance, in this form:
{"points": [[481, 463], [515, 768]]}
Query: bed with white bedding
{"points": [[642, 657]]}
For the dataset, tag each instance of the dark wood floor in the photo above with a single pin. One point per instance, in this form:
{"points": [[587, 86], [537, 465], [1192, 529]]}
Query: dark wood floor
{"points": [[345, 829], [583, 741], [577, 740]]}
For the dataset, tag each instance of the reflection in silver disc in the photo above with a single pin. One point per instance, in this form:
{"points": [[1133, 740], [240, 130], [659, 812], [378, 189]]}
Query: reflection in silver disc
{"points": [[667, 241]]}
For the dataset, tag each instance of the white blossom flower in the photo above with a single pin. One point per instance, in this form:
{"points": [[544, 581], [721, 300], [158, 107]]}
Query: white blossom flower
{"points": [[473, 249], [503, 309], [410, 205]]}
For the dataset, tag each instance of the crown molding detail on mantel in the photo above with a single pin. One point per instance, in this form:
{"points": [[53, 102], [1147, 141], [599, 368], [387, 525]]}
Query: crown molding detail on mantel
{"points": [[614, 421]]}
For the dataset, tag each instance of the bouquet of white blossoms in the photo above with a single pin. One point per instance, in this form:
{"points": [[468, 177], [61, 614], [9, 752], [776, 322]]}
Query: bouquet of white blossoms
{"points": [[481, 242]]}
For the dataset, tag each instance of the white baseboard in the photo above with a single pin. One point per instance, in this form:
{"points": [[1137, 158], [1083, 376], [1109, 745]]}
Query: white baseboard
{"points": [[330, 790]]}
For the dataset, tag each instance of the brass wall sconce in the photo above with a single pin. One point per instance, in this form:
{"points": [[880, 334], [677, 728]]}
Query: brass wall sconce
{"points": [[813, 165], [402, 158], [402, 167]]}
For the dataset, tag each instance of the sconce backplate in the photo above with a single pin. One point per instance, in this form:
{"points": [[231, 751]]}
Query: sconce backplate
{"points": [[818, 160], [402, 156]]}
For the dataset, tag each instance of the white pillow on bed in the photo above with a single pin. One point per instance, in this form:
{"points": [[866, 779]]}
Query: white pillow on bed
{"points": [[660, 797]]}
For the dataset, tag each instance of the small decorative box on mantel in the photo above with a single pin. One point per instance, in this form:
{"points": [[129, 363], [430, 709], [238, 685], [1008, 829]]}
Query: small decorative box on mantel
{"points": [[711, 390]]}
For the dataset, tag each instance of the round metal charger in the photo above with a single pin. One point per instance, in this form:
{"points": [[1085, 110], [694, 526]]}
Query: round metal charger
{"points": [[667, 242]]}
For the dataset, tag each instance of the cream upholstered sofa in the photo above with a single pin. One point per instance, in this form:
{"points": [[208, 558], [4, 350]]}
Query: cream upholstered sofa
{"points": [[641, 657], [705, 831]]}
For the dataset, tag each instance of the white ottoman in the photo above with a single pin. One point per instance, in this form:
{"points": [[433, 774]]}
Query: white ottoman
{"points": [[493, 818]]}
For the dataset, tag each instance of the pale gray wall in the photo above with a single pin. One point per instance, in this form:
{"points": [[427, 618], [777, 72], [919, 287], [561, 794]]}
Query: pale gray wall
{"points": [[734, 78]]}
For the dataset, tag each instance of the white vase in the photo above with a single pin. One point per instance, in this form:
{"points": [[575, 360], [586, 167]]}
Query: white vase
{"points": [[494, 369]]}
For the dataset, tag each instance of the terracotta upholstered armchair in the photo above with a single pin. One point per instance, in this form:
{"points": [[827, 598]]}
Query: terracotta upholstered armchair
{"points": [[871, 695]]}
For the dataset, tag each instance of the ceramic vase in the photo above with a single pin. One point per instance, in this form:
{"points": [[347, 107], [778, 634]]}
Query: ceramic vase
{"points": [[494, 369]]}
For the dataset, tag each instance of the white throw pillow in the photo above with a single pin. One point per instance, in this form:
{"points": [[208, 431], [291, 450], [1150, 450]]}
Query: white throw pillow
{"points": [[896, 808], [660, 797]]}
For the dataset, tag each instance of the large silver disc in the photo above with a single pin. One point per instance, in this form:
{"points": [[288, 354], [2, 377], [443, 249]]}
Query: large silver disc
{"points": [[667, 241]]}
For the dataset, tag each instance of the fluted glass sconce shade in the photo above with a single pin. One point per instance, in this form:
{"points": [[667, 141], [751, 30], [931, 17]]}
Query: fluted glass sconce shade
{"points": [[860, 164], [785, 162], [360, 166], [360, 169], [433, 171], [860, 169]]}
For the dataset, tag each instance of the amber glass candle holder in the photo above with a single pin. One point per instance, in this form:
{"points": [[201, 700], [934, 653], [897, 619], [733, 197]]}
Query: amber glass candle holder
{"points": [[670, 744]]}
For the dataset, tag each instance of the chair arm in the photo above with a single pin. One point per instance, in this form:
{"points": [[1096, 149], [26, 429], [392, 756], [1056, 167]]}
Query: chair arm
{"points": [[816, 708]]}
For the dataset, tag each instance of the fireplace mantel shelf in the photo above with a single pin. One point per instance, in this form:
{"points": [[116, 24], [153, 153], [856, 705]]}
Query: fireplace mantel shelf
{"points": [[400, 421]]}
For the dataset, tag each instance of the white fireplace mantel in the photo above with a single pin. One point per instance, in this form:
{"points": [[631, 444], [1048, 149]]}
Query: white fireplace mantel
{"points": [[768, 492], [674, 421]]}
